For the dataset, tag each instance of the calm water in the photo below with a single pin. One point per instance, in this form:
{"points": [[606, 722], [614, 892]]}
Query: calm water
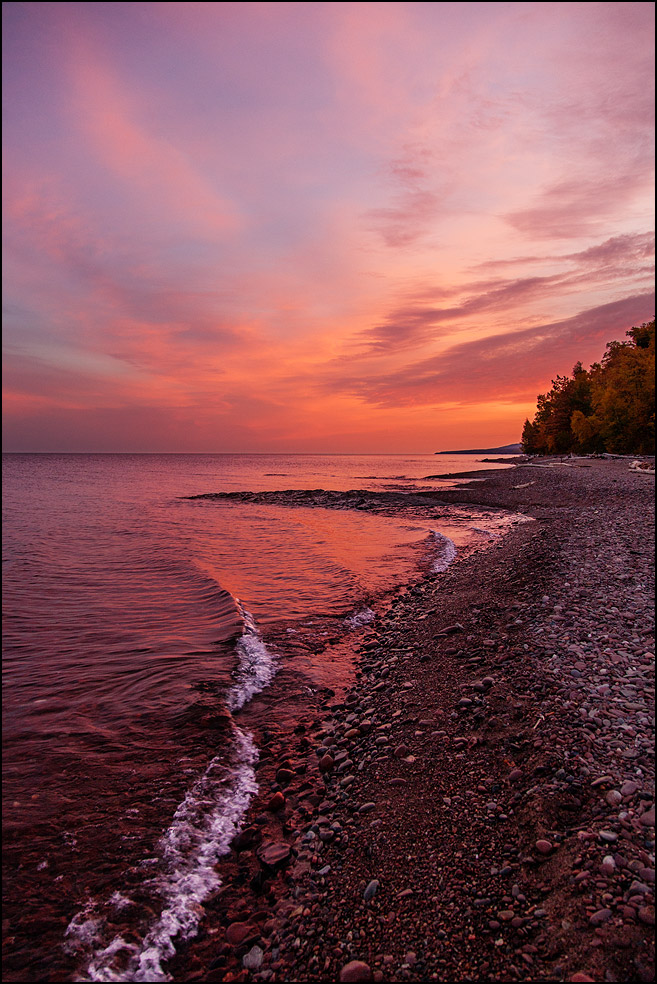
{"points": [[132, 617]]}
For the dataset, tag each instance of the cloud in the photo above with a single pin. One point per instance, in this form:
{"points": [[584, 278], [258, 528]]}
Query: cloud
{"points": [[631, 248], [573, 208], [504, 367], [620, 261], [152, 164]]}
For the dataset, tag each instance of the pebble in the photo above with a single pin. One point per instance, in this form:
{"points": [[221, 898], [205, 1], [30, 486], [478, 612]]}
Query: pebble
{"points": [[253, 959], [355, 970], [275, 855], [543, 846], [371, 890], [276, 803], [600, 917], [239, 931], [629, 788]]}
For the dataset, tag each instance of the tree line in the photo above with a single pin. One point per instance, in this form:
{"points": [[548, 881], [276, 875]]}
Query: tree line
{"points": [[607, 408]]}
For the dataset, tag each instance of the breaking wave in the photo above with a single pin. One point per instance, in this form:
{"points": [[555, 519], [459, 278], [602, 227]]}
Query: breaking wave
{"points": [[446, 552]]}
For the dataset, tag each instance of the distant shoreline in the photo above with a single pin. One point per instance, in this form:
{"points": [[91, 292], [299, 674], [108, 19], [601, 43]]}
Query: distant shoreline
{"points": [[506, 449]]}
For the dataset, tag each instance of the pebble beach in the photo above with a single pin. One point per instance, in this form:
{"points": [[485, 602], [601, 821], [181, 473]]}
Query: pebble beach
{"points": [[479, 804]]}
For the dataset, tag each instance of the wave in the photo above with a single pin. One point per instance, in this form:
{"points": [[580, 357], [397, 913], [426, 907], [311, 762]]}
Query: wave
{"points": [[256, 668], [201, 831], [446, 550], [360, 619]]}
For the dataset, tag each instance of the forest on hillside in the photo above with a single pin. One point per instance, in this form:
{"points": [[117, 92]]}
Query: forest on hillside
{"points": [[607, 408]]}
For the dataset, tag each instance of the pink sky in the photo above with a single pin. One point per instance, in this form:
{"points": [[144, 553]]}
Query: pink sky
{"points": [[316, 226]]}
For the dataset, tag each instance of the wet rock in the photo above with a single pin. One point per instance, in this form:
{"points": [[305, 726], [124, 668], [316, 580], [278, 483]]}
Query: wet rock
{"points": [[219, 719], [355, 970], [275, 854], [326, 763], [543, 846], [238, 932], [276, 803], [284, 776], [246, 839]]}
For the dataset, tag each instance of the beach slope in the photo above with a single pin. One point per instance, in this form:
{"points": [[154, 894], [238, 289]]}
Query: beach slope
{"points": [[480, 805]]}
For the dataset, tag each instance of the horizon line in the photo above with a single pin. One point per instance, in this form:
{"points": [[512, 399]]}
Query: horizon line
{"points": [[260, 453]]}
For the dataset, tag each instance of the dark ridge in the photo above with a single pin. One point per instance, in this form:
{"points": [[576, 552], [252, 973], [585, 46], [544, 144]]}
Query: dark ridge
{"points": [[507, 449]]}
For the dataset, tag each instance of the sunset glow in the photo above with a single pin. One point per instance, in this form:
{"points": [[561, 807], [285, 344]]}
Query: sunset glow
{"points": [[317, 226]]}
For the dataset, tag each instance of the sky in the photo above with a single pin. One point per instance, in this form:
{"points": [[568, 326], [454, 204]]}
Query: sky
{"points": [[316, 227]]}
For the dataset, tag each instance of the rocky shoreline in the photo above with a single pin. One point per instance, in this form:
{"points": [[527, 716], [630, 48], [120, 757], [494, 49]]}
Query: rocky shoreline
{"points": [[480, 804]]}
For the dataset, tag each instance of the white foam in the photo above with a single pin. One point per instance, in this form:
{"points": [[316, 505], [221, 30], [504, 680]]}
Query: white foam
{"points": [[256, 668], [201, 831], [446, 552], [120, 901], [83, 931], [360, 619]]}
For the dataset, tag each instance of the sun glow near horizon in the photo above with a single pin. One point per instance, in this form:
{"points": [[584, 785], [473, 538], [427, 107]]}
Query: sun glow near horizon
{"points": [[308, 226]]}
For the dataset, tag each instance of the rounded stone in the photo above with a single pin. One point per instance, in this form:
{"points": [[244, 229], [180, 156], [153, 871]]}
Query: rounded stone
{"points": [[253, 959], [356, 970], [543, 846], [600, 917]]}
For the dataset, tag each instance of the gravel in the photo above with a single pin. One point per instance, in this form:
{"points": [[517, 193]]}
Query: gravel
{"points": [[488, 808]]}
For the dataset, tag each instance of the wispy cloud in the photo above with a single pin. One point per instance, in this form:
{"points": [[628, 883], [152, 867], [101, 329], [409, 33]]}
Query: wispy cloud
{"points": [[504, 367]]}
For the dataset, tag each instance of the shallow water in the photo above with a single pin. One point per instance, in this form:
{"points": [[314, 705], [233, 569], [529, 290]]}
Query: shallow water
{"points": [[134, 617]]}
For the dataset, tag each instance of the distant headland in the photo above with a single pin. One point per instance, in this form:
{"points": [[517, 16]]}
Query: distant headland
{"points": [[507, 449]]}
